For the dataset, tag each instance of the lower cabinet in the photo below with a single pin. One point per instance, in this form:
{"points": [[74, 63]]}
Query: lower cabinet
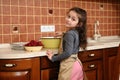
{"points": [[19, 69], [92, 64], [49, 74], [93, 70], [110, 56], [48, 69], [119, 70], [98, 65]]}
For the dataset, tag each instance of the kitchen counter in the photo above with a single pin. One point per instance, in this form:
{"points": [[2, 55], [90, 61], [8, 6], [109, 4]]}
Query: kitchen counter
{"points": [[7, 53]]}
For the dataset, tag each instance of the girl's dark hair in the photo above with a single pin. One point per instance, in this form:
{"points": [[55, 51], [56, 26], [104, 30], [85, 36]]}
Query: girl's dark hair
{"points": [[81, 27]]}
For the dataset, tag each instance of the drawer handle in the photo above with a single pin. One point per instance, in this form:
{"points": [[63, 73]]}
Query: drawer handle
{"points": [[9, 65], [91, 66], [91, 55]]}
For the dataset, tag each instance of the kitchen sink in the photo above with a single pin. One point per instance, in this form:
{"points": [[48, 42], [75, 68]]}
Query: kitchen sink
{"points": [[103, 40]]}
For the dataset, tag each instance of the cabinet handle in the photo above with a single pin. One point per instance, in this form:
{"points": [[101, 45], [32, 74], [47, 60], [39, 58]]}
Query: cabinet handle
{"points": [[9, 65], [91, 55], [91, 66]]}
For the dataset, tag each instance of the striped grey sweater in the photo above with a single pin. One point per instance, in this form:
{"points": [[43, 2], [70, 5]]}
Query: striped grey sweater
{"points": [[70, 45]]}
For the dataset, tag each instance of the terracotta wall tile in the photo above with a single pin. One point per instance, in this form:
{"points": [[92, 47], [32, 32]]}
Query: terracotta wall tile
{"points": [[44, 3], [56, 4], [56, 12], [29, 15], [5, 2], [15, 38], [23, 20], [44, 20], [50, 20], [23, 29], [63, 12], [44, 11], [30, 2], [68, 4], [0, 19], [14, 2], [50, 3], [6, 29], [30, 20], [23, 37], [0, 38], [6, 20], [37, 29], [22, 10], [37, 3], [37, 11], [37, 20], [1, 29], [22, 2], [30, 11], [62, 4], [7, 38], [56, 20], [37, 36], [14, 10], [14, 19], [31, 28], [31, 37], [5, 10]]}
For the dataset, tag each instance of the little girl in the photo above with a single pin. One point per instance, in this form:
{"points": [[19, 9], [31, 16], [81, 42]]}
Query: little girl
{"points": [[73, 40]]}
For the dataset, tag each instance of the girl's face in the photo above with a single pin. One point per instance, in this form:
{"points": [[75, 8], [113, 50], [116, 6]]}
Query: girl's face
{"points": [[72, 19]]}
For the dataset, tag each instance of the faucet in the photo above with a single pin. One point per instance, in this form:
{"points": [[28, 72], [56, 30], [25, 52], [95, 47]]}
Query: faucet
{"points": [[97, 34]]}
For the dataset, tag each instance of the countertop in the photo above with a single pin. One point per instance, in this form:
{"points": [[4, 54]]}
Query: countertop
{"points": [[7, 53]]}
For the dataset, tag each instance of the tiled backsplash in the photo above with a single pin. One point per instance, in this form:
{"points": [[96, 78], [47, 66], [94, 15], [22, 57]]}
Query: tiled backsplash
{"points": [[28, 15]]}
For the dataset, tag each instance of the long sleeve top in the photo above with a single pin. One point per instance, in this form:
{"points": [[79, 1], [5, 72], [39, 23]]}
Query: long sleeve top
{"points": [[70, 45]]}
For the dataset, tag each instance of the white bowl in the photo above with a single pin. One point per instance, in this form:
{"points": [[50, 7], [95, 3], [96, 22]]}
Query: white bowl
{"points": [[33, 48]]}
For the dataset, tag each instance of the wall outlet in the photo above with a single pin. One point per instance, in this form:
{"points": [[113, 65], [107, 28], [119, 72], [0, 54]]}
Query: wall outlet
{"points": [[47, 28]]}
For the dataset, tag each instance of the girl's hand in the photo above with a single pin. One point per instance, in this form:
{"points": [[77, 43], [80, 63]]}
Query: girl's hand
{"points": [[58, 34], [49, 54]]}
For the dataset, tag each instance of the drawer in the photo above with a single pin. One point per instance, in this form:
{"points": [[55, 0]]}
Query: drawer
{"points": [[92, 65], [46, 63], [111, 51], [18, 64], [90, 55]]}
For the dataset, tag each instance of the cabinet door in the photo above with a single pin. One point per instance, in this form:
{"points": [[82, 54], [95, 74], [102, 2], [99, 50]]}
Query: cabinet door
{"points": [[15, 69], [109, 62], [46, 63], [93, 70], [15, 75], [49, 74], [20, 69], [119, 71]]}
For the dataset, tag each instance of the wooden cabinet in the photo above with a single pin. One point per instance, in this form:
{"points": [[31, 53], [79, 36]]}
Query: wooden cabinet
{"points": [[48, 69], [92, 63], [118, 61], [49, 74], [93, 70], [109, 62], [20, 69], [98, 65]]}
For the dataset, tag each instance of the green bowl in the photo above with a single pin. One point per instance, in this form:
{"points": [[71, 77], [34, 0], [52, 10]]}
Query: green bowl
{"points": [[51, 42]]}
